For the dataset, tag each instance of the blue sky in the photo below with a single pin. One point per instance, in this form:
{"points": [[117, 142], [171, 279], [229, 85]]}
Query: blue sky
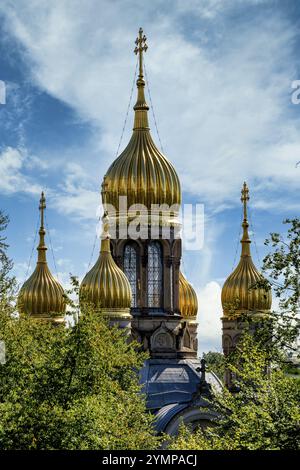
{"points": [[220, 73]]}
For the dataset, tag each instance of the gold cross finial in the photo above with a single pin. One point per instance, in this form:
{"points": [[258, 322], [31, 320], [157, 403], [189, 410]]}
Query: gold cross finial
{"points": [[245, 238], [42, 207], [245, 198], [42, 247], [140, 47]]}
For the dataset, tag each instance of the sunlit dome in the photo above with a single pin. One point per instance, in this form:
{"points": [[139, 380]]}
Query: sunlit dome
{"points": [[105, 285], [243, 290], [41, 295], [188, 303], [141, 173]]}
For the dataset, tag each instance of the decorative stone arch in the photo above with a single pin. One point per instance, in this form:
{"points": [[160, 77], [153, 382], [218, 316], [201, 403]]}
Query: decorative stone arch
{"points": [[162, 340], [119, 246], [185, 338], [193, 417], [236, 339], [227, 344]]}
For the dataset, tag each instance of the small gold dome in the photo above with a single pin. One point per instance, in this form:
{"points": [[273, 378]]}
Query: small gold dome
{"points": [[141, 173], [238, 293], [41, 294], [105, 285], [188, 303]]}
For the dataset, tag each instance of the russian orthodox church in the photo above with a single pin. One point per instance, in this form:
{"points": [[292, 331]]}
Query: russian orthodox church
{"points": [[137, 281]]}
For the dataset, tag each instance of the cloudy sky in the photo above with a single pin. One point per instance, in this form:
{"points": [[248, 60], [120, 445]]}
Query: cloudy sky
{"points": [[220, 75]]}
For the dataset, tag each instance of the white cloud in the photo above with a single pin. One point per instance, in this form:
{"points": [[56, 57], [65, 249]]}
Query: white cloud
{"points": [[209, 318], [74, 196], [221, 94], [12, 163], [209, 9], [222, 108]]}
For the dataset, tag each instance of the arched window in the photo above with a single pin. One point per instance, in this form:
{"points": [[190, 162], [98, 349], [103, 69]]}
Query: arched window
{"points": [[155, 280], [130, 269]]}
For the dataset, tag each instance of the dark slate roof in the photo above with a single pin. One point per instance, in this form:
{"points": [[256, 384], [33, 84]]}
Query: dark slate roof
{"points": [[171, 381]]}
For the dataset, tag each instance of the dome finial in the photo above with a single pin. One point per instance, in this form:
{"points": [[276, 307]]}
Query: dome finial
{"points": [[141, 107], [141, 47], [41, 294], [42, 232], [245, 241], [239, 293]]}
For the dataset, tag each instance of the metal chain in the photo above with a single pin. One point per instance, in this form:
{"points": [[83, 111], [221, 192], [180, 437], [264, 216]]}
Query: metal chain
{"points": [[127, 112], [118, 149], [93, 249], [33, 246], [238, 241], [254, 238], [152, 108], [51, 247]]}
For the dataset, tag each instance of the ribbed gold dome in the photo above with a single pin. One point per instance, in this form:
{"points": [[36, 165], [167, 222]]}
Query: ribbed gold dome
{"points": [[41, 294], [141, 173], [105, 285], [238, 294], [188, 303]]}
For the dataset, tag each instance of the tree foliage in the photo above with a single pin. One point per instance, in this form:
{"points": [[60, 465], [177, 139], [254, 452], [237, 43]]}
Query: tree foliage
{"points": [[282, 265], [7, 282], [263, 415], [215, 362], [71, 388]]}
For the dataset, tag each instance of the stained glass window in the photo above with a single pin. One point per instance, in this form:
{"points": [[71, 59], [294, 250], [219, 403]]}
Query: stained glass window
{"points": [[155, 280], [130, 269]]}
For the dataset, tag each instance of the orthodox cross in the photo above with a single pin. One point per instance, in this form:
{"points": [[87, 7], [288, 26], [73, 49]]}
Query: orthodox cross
{"points": [[42, 247], [42, 207], [245, 198], [140, 47]]}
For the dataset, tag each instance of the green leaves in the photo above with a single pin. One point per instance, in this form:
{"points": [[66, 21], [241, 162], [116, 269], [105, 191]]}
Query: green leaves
{"points": [[71, 388], [263, 415]]}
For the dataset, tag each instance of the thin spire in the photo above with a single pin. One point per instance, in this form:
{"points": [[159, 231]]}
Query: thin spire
{"points": [[42, 232], [245, 241], [141, 107]]}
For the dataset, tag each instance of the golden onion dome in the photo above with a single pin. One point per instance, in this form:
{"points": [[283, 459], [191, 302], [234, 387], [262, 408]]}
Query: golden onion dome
{"points": [[188, 303], [141, 173], [105, 285], [41, 296], [243, 291]]}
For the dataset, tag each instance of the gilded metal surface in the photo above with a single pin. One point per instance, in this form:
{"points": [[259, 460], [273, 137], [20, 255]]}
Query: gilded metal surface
{"points": [[41, 294], [238, 292], [188, 303], [105, 285], [141, 172]]}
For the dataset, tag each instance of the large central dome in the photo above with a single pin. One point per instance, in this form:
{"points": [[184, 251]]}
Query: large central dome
{"points": [[141, 173]]}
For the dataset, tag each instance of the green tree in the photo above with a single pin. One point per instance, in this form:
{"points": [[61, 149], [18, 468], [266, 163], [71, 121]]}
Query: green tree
{"points": [[7, 282], [282, 265], [263, 415], [71, 388], [215, 362]]}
